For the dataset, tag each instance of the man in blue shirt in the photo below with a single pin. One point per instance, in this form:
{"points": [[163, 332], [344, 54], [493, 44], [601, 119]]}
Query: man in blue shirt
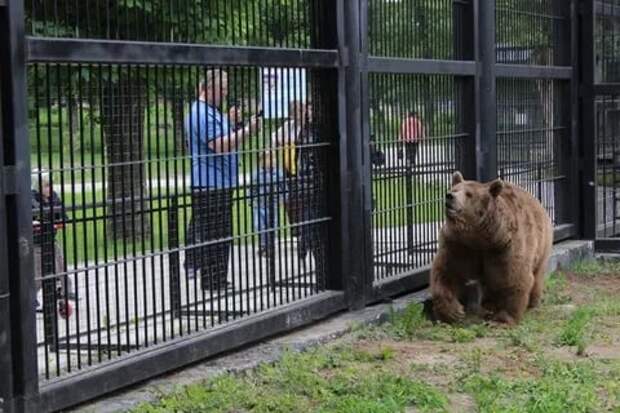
{"points": [[213, 143]]}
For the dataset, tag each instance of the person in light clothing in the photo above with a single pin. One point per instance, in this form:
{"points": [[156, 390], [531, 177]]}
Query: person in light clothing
{"points": [[411, 133]]}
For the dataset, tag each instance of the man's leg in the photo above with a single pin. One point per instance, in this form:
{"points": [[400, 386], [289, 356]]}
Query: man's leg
{"points": [[317, 241], [259, 213], [194, 256], [218, 222]]}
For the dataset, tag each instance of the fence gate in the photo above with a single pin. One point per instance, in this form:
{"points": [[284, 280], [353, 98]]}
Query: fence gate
{"points": [[481, 87], [147, 223], [601, 114]]}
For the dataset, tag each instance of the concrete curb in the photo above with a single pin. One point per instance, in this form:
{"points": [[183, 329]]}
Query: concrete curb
{"points": [[270, 351]]}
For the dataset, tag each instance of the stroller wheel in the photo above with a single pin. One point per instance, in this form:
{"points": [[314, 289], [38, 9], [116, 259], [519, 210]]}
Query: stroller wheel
{"points": [[65, 309]]}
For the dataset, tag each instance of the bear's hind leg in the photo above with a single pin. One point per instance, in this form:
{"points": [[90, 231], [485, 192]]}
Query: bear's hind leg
{"points": [[537, 289]]}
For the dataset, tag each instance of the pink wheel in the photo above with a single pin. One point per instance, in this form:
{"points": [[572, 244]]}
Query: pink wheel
{"points": [[65, 309]]}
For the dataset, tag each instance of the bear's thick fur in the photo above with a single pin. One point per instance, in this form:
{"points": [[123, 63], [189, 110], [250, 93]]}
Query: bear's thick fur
{"points": [[498, 235]]}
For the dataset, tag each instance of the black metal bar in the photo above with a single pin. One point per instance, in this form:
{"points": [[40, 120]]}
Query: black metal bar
{"points": [[533, 72], [173, 258], [468, 103], [573, 164], [356, 224], [17, 213], [331, 89], [486, 144], [606, 8], [606, 89], [588, 205], [564, 232], [6, 363], [421, 66], [119, 52], [607, 245], [407, 282], [83, 386]]}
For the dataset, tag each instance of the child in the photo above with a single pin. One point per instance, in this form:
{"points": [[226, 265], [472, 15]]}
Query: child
{"points": [[48, 216], [267, 192]]}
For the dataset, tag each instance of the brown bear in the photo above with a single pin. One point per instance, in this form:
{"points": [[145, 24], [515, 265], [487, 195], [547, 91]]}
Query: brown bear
{"points": [[495, 234]]}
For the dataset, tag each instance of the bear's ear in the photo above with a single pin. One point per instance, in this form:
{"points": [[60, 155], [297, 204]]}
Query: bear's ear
{"points": [[457, 178], [496, 187]]}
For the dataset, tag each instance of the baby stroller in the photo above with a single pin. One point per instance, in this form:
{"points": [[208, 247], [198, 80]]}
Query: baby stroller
{"points": [[57, 292]]}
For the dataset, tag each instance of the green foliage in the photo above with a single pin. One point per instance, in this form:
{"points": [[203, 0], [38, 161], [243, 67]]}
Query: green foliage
{"points": [[555, 292], [576, 330], [335, 379], [562, 387], [407, 323]]}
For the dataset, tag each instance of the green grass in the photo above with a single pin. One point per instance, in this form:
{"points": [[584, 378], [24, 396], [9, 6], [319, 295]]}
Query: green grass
{"points": [[411, 364], [576, 330], [561, 387], [338, 379]]}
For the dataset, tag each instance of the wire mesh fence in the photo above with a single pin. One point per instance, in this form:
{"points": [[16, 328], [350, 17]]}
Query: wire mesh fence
{"points": [[413, 28], [607, 41], [532, 136], [607, 135], [271, 23], [607, 116], [416, 143], [531, 31], [169, 206]]}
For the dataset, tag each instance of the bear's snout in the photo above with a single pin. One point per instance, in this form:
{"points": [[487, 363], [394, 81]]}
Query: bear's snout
{"points": [[450, 203]]}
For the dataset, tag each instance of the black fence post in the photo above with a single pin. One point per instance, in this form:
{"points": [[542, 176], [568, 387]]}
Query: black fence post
{"points": [[468, 104], [174, 262], [17, 214], [356, 215], [329, 89], [562, 141], [6, 364], [587, 132], [486, 145]]}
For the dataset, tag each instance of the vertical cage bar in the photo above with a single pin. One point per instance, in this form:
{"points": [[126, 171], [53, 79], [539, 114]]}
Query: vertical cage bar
{"points": [[357, 223], [17, 212], [588, 219], [486, 145]]}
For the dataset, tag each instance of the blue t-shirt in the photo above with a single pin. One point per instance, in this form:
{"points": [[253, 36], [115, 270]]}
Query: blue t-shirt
{"points": [[210, 169]]}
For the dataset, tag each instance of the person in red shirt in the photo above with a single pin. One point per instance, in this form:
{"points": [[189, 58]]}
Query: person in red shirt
{"points": [[411, 132]]}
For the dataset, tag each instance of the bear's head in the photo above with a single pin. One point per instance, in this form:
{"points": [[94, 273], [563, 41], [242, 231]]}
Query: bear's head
{"points": [[471, 210]]}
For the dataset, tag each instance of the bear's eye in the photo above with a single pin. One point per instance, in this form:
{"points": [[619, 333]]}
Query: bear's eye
{"points": [[481, 213], [468, 194]]}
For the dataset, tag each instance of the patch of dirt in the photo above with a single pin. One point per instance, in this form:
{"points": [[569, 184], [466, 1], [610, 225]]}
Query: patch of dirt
{"points": [[595, 351], [425, 351], [583, 288], [604, 352], [460, 402], [414, 352]]}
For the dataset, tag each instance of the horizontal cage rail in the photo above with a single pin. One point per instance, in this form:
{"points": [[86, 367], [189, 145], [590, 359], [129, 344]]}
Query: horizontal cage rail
{"points": [[50, 50]]}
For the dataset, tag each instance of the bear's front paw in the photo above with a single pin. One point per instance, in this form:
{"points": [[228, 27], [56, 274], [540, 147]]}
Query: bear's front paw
{"points": [[501, 318], [448, 312]]}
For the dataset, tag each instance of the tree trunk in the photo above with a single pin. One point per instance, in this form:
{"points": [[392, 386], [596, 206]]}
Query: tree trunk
{"points": [[123, 124]]}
